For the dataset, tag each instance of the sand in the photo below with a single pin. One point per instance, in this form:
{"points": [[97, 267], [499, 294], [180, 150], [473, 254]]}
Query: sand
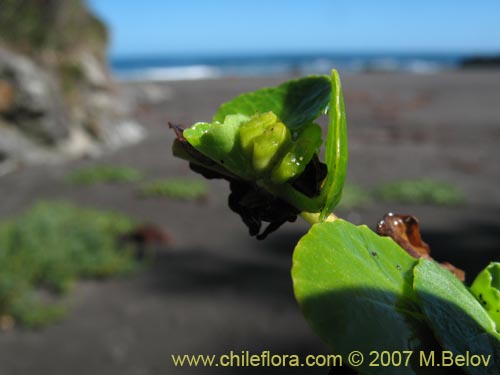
{"points": [[215, 289]]}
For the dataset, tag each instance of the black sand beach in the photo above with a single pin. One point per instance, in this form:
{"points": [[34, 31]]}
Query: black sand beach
{"points": [[215, 289]]}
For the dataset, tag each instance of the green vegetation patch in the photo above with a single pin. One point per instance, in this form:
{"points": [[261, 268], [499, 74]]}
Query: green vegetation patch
{"points": [[423, 191], [104, 173], [353, 197], [45, 250], [177, 188], [34, 25], [420, 191]]}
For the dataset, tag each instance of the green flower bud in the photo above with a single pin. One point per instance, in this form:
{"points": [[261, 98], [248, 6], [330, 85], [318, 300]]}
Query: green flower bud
{"points": [[253, 128], [486, 288], [267, 146], [299, 155]]}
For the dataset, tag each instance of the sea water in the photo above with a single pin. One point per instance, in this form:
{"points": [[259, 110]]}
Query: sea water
{"points": [[192, 67]]}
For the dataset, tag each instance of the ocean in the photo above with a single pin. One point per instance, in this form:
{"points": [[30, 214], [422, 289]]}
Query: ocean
{"points": [[166, 68]]}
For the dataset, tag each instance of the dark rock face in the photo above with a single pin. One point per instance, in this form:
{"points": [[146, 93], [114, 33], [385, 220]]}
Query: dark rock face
{"points": [[56, 93], [30, 99]]}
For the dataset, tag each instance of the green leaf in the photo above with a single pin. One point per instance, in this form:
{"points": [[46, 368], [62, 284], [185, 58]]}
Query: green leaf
{"points": [[221, 143], [486, 288], [458, 320], [336, 149], [356, 290], [296, 102]]}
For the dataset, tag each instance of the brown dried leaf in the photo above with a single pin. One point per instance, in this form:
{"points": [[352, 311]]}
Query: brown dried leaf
{"points": [[405, 231]]}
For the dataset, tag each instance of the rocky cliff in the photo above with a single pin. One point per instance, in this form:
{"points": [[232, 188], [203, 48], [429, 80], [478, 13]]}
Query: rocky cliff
{"points": [[57, 98]]}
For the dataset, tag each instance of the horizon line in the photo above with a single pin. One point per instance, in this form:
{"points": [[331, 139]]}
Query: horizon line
{"points": [[265, 53]]}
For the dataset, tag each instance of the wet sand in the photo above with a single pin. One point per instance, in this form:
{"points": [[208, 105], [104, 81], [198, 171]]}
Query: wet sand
{"points": [[215, 289]]}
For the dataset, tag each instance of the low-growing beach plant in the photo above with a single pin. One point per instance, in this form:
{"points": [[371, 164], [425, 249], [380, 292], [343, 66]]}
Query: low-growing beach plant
{"points": [[423, 191], [354, 196], [104, 174], [45, 250], [176, 188], [418, 191], [359, 291]]}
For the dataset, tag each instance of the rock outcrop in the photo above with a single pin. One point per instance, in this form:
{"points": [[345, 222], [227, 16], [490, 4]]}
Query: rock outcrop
{"points": [[30, 99], [57, 98]]}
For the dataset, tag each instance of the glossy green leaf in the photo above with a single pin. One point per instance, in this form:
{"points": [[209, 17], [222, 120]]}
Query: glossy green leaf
{"points": [[296, 102], [336, 148], [221, 143], [458, 320], [356, 290], [486, 288]]}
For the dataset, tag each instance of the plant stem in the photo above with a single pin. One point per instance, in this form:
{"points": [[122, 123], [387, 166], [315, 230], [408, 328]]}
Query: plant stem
{"points": [[313, 218]]}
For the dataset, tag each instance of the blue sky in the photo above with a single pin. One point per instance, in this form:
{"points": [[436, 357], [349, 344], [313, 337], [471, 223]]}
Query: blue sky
{"points": [[152, 27]]}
